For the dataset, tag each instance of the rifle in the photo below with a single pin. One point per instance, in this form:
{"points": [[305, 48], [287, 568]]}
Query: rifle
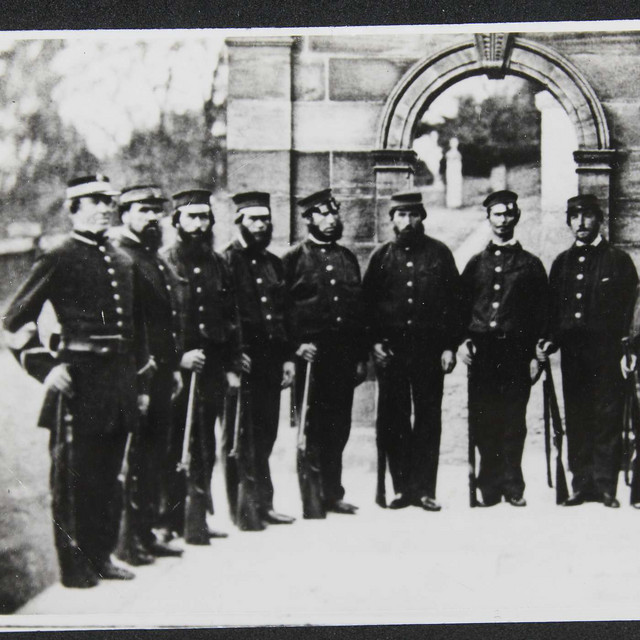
{"points": [[247, 507], [381, 494], [546, 410], [309, 474], [74, 567], [195, 509], [631, 423], [471, 450], [550, 399], [127, 546]]}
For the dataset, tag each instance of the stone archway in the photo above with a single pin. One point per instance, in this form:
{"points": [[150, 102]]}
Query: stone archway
{"points": [[494, 55]]}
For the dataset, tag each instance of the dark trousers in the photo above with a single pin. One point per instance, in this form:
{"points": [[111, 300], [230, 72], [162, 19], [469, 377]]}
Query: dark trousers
{"points": [[209, 403], [330, 404], [499, 389], [89, 496], [593, 390], [264, 390], [412, 451], [151, 454]]}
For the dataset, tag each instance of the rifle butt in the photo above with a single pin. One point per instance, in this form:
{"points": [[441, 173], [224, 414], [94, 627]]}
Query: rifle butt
{"points": [[196, 531], [311, 492], [562, 490], [381, 493], [248, 508], [634, 497], [126, 547]]}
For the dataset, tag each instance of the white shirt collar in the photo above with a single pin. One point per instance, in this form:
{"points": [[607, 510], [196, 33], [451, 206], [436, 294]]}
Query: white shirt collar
{"points": [[127, 233], [595, 243], [508, 243], [241, 240]]}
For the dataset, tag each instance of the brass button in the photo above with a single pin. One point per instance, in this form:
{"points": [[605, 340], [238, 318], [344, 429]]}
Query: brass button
{"points": [[332, 281], [197, 270], [493, 323], [580, 276], [263, 299], [259, 280], [581, 259], [498, 269], [497, 287], [578, 314]]}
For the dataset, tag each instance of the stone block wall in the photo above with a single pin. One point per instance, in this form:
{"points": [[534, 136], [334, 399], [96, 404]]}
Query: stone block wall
{"points": [[305, 112]]}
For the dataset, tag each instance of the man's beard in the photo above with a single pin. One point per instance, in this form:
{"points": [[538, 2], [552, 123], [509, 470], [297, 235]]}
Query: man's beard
{"points": [[151, 237], [409, 236], [259, 242], [199, 243], [326, 236]]}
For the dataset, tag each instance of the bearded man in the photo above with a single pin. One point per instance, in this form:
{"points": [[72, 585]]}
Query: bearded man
{"points": [[141, 208], [411, 289], [326, 317], [259, 282], [208, 320]]}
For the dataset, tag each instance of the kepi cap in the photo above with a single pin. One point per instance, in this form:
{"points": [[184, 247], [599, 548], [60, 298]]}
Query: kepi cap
{"points": [[91, 185], [408, 200], [315, 199], [500, 197], [583, 201], [251, 199], [148, 193], [192, 196]]}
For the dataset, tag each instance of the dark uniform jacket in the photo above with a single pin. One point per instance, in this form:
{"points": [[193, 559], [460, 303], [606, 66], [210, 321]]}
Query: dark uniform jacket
{"points": [[505, 292], [208, 312], [413, 291], [159, 300], [260, 290], [593, 290], [324, 292], [94, 290]]}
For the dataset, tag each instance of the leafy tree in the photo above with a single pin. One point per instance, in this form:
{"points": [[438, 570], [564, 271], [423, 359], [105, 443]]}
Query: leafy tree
{"points": [[492, 131], [39, 151]]}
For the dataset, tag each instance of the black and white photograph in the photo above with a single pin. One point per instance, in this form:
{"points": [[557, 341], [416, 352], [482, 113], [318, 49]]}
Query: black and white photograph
{"points": [[320, 326]]}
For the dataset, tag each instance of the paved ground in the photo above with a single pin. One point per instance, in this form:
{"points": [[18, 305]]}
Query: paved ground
{"points": [[502, 564]]}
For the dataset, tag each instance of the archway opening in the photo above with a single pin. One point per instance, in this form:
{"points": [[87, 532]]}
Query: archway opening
{"points": [[482, 135]]}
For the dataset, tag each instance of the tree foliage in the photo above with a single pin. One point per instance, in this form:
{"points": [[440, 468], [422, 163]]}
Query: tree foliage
{"points": [[39, 151], [132, 90], [496, 130]]}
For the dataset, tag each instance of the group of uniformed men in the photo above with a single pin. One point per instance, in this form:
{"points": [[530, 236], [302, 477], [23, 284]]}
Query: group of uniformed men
{"points": [[141, 325]]}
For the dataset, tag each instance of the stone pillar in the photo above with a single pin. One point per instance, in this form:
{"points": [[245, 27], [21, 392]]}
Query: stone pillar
{"points": [[594, 176], [394, 173], [558, 179], [259, 124], [454, 176]]}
